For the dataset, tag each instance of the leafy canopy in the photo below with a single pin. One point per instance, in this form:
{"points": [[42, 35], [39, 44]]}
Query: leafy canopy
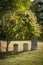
{"points": [[17, 22]]}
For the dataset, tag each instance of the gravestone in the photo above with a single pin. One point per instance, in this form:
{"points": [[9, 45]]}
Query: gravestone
{"points": [[25, 47], [0, 46], [34, 43], [15, 48]]}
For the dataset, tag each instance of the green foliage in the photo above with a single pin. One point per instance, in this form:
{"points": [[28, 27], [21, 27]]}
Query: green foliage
{"points": [[13, 5], [37, 8], [17, 22], [19, 26]]}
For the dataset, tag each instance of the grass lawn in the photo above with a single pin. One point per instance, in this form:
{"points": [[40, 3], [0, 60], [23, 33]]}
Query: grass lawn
{"points": [[25, 58]]}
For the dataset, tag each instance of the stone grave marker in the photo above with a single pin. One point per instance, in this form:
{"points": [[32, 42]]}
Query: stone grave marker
{"points": [[0, 46], [25, 47], [15, 48], [34, 43]]}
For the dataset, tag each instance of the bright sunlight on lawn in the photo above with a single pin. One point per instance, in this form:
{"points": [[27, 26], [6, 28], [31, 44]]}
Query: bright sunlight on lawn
{"points": [[25, 58]]}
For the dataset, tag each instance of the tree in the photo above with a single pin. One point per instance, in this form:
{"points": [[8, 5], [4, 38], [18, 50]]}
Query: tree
{"points": [[7, 20], [37, 8], [17, 22]]}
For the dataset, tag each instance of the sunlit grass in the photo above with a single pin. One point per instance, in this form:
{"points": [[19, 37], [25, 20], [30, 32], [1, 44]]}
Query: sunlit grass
{"points": [[25, 58]]}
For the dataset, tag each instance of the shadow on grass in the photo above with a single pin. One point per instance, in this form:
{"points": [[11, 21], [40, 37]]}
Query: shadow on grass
{"points": [[11, 54]]}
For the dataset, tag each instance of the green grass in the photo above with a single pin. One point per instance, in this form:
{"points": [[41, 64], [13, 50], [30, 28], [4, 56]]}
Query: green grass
{"points": [[25, 58]]}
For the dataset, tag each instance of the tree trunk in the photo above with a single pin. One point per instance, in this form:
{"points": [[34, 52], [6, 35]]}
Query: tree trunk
{"points": [[7, 46]]}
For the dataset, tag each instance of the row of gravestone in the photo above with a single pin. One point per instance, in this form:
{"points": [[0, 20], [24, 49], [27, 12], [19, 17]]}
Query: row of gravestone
{"points": [[25, 45]]}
